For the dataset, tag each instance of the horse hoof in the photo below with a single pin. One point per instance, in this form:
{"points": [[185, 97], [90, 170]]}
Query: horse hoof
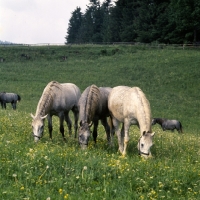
{"points": [[124, 154]]}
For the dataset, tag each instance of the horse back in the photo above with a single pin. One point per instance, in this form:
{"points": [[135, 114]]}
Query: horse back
{"points": [[66, 97], [9, 97], [138, 107], [172, 124], [131, 104], [116, 102], [57, 98]]}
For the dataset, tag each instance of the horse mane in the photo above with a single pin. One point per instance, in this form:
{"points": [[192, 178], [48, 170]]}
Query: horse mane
{"points": [[146, 111], [47, 98], [160, 120], [92, 102]]}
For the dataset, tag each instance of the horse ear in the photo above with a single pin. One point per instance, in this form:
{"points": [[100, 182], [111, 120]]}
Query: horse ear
{"points": [[44, 117], [90, 124], [32, 116], [152, 134]]}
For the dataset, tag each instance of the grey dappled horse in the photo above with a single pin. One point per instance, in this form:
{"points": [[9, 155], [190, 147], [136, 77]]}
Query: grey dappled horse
{"points": [[93, 106], [130, 106], [57, 99], [9, 98], [167, 124]]}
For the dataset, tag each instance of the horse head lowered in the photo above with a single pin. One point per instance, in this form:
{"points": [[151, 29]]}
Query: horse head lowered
{"points": [[38, 126], [93, 106], [145, 143]]}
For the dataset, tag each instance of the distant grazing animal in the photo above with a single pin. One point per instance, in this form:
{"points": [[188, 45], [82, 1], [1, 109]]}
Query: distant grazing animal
{"points": [[93, 106], [129, 106], [25, 56], [57, 99], [9, 98], [167, 124]]}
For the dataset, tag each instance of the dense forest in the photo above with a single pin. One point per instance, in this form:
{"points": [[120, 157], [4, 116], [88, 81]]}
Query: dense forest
{"points": [[146, 21]]}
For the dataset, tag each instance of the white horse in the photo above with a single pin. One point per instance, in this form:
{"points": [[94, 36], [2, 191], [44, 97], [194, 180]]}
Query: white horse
{"points": [[57, 99], [129, 106]]}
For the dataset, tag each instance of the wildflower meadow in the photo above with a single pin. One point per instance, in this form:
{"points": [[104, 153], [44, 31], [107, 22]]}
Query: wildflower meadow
{"points": [[54, 169]]}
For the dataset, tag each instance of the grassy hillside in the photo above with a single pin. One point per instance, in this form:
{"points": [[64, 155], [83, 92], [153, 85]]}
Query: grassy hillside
{"points": [[170, 79]]}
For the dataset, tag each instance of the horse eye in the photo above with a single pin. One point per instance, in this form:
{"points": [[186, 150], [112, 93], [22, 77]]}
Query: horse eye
{"points": [[142, 145]]}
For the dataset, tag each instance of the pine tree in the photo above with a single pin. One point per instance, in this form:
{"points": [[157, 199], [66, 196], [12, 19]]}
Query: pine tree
{"points": [[74, 26]]}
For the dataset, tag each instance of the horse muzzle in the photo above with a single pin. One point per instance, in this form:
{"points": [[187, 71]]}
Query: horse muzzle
{"points": [[83, 146], [145, 155], [36, 137]]}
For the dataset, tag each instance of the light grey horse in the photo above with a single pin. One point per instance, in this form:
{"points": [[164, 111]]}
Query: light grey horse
{"points": [[9, 98], [167, 124], [129, 106], [57, 99], [93, 106]]}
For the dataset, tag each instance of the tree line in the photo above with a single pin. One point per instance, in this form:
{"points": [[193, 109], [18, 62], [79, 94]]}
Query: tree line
{"points": [[145, 21]]}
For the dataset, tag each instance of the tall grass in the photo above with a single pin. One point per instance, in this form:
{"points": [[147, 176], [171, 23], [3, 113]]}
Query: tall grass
{"points": [[57, 170]]}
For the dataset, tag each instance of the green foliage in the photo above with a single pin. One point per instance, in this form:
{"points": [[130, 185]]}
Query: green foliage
{"points": [[74, 26], [146, 21], [169, 76]]}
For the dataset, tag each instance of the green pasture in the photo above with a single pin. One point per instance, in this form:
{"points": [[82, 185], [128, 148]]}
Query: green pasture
{"points": [[168, 75]]}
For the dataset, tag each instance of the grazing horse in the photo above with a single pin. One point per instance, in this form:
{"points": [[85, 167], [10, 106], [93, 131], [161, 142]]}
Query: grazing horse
{"points": [[9, 98], [57, 99], [93, 106], [129, 106], [167, 124]]}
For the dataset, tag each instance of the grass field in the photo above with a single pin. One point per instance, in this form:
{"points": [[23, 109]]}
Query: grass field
{"points": [[57, 170]]}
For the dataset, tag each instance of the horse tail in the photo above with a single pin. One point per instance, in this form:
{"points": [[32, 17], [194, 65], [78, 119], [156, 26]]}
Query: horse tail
{"points": [[19, 98], [181, 127], [110, 123]]}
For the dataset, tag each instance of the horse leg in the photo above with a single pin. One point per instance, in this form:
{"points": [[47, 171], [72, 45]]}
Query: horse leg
{"points": [[126, 126], [76, 115], [119, 133], [61, 118], [49, 118], [69, 123], [94, 133], [112, 130], [106, 127], [2, 104], [14, 105]]}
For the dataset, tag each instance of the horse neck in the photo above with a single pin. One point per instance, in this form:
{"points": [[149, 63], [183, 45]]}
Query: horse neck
{"points": [[159, 121], [144, 126], [44, 105], [90, 103], [144, 120]]}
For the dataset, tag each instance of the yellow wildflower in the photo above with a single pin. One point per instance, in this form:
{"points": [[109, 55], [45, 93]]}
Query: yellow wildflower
{"points": [[66, 196], [60, 191]]}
